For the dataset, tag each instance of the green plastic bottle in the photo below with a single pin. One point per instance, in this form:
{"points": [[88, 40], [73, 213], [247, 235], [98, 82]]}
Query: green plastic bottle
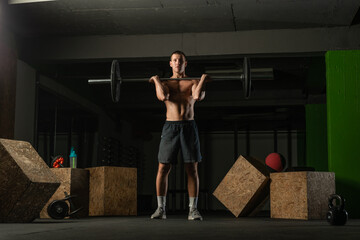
{"points": [[73, 158]]}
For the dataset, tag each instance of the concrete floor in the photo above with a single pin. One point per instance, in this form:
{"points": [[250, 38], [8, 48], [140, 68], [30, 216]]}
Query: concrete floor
{"points": [[215, 226]]}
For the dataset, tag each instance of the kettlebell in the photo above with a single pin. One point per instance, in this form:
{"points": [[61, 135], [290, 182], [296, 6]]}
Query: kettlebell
{"points": [[337, 215]]}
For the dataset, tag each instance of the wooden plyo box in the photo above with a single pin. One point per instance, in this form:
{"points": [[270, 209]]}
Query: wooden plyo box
{"points": [[301, 195], [113, 191], [26, 182], [74, 181], [244, 187]]}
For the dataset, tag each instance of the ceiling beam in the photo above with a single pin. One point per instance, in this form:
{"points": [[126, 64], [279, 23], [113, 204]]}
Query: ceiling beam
{"points": [[297, 41], [28, 1]]}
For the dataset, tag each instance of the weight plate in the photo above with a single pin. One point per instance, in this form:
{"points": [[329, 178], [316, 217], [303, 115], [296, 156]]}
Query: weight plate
{"points": [[247, 78], [115, 81], [58, 209]]}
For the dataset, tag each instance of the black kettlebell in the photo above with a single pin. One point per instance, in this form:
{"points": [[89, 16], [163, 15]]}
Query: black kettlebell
{"points": [[337, 215]]}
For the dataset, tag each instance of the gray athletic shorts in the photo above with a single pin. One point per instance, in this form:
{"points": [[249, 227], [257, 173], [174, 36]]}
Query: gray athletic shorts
{"points": [[179, 135]]}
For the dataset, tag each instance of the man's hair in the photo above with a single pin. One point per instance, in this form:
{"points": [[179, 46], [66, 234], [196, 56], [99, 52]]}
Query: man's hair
{"points": [[178, 52]]}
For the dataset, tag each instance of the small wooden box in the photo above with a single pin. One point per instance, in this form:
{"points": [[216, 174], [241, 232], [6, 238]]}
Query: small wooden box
{"points": [[301, 195], [244, 187], [74, 181], [113, 191], [26, 182]]}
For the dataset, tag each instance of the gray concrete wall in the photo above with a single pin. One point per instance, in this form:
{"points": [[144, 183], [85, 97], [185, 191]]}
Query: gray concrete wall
{"points": [[25, 102], [8, 59]]}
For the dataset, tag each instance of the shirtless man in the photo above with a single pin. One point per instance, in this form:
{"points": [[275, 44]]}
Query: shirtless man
{"points": [[179, 132]]}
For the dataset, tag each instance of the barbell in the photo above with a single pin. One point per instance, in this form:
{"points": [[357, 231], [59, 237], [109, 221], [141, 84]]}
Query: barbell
{"points": [[116, 80]]}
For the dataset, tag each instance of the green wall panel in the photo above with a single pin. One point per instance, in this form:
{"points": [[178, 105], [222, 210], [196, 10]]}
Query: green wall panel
{"points": [[343, 115], [316, 137]]}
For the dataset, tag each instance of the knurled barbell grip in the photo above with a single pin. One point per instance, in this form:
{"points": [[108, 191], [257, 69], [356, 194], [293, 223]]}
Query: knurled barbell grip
{"points": [[222, 78]]}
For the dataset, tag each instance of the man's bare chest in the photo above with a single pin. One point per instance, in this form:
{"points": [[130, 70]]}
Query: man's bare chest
{"points": [[180, 87]]}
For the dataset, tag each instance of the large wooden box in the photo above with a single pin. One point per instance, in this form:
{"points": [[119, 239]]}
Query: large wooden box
{"points": [[113, 191], [245, 186], [74, 181], [26, 182], [301, 195]]}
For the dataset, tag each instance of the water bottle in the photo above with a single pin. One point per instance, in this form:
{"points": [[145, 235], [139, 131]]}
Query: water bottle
{"points": [[73, 158]]}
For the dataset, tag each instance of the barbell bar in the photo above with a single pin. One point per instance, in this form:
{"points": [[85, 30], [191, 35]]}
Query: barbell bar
{"points": [[116, 80], [216, 78]]}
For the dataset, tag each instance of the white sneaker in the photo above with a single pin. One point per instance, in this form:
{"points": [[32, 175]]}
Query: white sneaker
{"points": [[194, 215], [159, 214]]}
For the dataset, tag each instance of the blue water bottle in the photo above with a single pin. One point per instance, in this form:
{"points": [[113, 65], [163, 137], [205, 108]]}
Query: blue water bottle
{"points": [[73, 158]]}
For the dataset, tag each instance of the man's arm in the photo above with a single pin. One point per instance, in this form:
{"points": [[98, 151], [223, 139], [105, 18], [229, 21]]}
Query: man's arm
{"points": [[162, 91], [198, 89]]}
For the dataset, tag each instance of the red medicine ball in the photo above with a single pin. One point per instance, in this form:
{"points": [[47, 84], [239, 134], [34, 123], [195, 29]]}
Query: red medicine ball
{"points": [[275, 161]]}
